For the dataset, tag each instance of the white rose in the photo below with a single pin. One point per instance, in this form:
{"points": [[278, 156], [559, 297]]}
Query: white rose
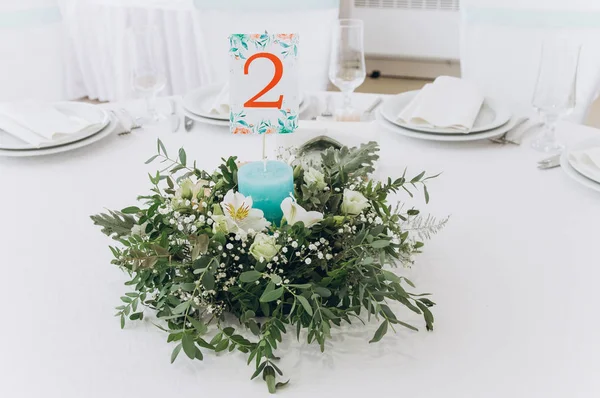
{"points": [[314, 176], [354, 202], [188, 190], [223, 225], [264, 246]]}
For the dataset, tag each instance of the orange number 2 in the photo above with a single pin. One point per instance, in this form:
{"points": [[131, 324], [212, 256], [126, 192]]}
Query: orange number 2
{"points": [[252, 102]]}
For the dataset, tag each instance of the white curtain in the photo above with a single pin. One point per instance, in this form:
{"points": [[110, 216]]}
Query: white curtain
{"points": [[195, 39], [100, 54], [501, 46]]}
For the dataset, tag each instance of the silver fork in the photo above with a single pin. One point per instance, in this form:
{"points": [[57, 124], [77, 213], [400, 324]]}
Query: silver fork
{"points": [[549, 163], [502, 138], [134, 122], [125, 131]]}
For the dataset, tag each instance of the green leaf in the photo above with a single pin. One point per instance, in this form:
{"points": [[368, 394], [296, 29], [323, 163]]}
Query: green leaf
{"points": [[380, 332], [222, 346], [305, 305], [281, 384], [131, 210], [181, 308], [215, 340], [390, 276], [250, 276], [200, 327], [151, 159], [426, 192], [175, 352], [208, 281], [271, 296], [160, 146], [380, 244], [182, 156], [322, 291], [258, 370], [189, 347]]}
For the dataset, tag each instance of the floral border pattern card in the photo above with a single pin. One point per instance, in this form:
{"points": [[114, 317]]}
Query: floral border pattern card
{"points": [[264, 92]]}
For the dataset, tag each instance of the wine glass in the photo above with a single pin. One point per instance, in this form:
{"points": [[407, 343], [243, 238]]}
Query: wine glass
{"points": [[555, 90], [148, 78], [347, 68]]}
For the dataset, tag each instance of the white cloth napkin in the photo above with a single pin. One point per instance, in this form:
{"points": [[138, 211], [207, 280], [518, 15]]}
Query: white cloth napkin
{"points": [[37, 123], [589, 157], [447, 103], [220, 105]]}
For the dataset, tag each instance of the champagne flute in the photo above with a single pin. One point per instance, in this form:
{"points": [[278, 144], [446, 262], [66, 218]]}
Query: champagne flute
{"points": [[555, 90], [148, 76], [347, 68]]}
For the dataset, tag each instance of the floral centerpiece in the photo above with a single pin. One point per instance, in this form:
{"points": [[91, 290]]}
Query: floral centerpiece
{"points": [[197, 250]]}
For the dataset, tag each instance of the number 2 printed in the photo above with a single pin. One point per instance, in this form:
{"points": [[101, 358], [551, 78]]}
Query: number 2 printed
{"points": [[252, 102]]}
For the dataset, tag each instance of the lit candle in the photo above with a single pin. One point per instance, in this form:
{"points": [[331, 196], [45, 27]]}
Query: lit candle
{"points": [[268, 183]]}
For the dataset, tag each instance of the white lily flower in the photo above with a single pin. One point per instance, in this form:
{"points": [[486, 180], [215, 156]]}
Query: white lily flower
{"points": [[293, 213], [237, 208]]}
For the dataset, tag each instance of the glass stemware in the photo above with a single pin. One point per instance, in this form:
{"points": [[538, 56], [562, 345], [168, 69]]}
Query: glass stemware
{"points": [[555, 90], [148, 77], [347, 68]]}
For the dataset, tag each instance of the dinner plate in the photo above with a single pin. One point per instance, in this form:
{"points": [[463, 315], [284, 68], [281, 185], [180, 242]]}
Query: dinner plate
{"points": [[92, 113], [587, 171], [201, 100], [565, 165], [206, 120], [491, 115], [105, 132], [446, 137]]}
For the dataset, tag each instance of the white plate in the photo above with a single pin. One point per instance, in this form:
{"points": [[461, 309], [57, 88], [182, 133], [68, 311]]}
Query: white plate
{"points": [[586, 170], [491, 115], [206, 120], [200, 101], [89, 112], [108, 130], [446, 137], [573, 174]]}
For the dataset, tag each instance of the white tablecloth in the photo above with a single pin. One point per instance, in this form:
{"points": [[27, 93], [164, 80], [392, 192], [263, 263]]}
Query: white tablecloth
{"points": [[514, 274]]}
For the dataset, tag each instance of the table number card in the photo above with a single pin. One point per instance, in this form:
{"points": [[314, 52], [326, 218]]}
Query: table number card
{"points": [[264, 94]]}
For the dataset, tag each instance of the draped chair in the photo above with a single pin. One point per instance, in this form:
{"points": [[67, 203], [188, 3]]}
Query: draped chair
{"points": [[501, 48], [32, 51]]}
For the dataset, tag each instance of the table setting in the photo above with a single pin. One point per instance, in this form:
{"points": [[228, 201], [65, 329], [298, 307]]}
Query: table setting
{"points": [[272, 240]]}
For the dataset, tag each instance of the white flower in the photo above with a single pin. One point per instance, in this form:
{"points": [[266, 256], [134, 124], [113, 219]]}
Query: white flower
{"points": [[238, 210], [294, 244], [188, 190], [314, 176], [294, 213], [328, 256], [223, 225], [139, 230], [264, 247], [354, 202], [308, 260]]}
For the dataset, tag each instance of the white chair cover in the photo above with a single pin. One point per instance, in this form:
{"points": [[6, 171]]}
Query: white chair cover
{"points": [[311, 19], [31, 50], [501, 48]]}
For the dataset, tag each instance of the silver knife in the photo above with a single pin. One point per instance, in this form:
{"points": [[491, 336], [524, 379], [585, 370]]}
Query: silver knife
{"points": [[188, 124]]}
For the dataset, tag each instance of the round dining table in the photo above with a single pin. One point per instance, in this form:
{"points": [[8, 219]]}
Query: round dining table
{"points": [[514, 273]]}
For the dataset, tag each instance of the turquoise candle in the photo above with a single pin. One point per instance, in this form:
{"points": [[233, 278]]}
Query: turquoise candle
{"points": [[267, 187]]}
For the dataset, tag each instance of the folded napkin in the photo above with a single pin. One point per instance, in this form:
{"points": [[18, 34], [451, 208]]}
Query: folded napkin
{"points": [[220, 105], [589, 157], [449, 103], [37, 123]]}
